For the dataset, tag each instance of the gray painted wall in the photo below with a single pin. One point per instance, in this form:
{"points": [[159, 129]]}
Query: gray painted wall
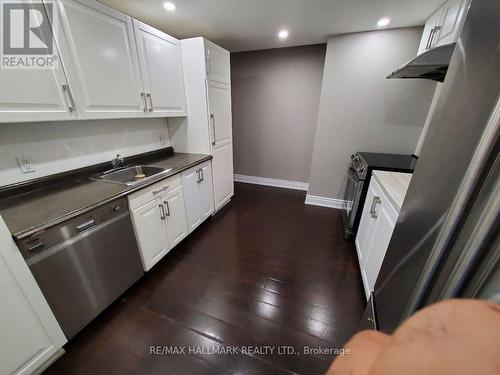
{"points": [[275, 95], [360, 110]]}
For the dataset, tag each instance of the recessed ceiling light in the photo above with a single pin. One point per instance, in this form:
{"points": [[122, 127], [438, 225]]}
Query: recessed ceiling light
{"points": [[283, 34], [383, 22], [169, 6]]}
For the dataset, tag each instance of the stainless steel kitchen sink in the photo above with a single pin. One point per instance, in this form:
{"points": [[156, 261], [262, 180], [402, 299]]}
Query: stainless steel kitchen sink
{"points": [[131, 176]]}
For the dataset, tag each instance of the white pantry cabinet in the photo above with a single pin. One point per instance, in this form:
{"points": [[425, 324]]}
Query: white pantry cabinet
{"points": [[99, 55], [30, 337], [208, 127], [159, 219], [377, 223], [198, 194], [444, 25], [161, 71], [219, 103]]}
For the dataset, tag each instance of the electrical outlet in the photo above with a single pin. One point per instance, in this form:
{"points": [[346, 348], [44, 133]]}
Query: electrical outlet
{"points": [[26, 164], [162, 139]]}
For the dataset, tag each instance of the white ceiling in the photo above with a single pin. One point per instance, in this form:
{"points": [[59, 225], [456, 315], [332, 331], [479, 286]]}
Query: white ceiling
{"points": [[242, 25]]}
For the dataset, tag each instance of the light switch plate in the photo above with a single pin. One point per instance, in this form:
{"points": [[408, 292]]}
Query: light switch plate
{"points": [[26, 164]]}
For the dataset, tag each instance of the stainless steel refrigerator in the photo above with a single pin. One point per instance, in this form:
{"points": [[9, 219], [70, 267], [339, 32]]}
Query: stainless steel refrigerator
{"points": [[446, 241]]}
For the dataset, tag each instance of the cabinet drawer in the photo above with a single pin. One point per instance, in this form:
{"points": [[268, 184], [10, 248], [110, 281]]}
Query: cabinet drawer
{"points": [[146, 195]]}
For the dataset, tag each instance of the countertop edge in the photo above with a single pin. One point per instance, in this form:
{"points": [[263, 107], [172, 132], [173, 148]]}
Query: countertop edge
{"points": [[387, 192], [33, 230]]}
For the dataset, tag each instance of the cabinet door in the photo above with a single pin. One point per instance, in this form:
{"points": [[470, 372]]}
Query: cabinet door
{"points": [[99, 54], [30, 334], [366, 225], [34, 95], [222, 168], [192, 199], [219, 98], [219, 103], [382, 233], [450, 24], [151, 233], [161, 71], [206, 191], [177, 227], [217, 63], [428, 33]]}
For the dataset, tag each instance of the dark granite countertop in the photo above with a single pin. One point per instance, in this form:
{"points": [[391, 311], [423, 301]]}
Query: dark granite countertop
{"points": [[29, 212]]}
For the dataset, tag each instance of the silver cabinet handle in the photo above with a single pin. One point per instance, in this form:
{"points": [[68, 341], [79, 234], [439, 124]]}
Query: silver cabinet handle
{"points": [[202, 175], [168, 207], [71, 106], [434, 34], [162, 211], [155, 192], [199, 176], [429, 39], [86, 225], [144, 102], [376, 200], [150, 100], [212, 118]]}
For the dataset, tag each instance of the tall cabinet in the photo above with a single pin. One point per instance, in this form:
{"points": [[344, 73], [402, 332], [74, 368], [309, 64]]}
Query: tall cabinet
{"points": [[208, 126]]}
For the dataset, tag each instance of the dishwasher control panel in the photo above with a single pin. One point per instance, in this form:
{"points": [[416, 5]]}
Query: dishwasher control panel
{"points": [[79, 225]]}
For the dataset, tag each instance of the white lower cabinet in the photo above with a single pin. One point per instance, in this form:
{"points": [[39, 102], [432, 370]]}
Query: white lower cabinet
{"points": [[151, 233], [374, 234], [175, 216], [159, 219], [30, 337], [198, 194]]}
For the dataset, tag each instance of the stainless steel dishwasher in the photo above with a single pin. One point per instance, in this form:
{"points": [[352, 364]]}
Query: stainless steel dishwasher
{"points": [[82, 265]]}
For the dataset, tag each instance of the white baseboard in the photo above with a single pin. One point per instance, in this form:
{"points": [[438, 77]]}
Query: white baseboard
{"points": [[271, 182], [315, 200]]}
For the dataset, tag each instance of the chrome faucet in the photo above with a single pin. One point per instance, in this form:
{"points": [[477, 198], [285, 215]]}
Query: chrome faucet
{"points": [[117, 162]]}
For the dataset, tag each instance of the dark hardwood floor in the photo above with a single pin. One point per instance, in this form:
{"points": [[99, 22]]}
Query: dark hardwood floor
{"points": [[265, 271]]}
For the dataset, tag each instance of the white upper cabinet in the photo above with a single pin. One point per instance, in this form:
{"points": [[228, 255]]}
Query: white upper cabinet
{"points": [[429, 29], [444, 25], [217, 63], [34, 94], [452, 19], [100, 57], [161, 71]]}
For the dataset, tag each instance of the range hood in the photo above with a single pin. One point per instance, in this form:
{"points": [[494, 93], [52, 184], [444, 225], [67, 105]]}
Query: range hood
{"points": [[432, 64]]}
